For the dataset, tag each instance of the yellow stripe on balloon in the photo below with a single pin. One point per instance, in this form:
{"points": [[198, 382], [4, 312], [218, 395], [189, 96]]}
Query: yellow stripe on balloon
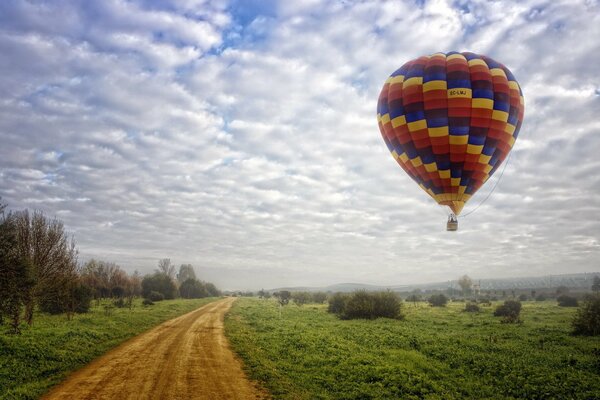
{"points": [[498, 72], [482, 103], [399, 121], [477, 61], [499, 115], [431, 167], [460, 93], [438, 132], [435, 85], [417, 80], [459, 139], [474, 149], [417, 125]]}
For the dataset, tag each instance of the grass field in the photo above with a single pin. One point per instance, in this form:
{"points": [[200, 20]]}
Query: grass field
{"points": [[44, 354], [434, 353]]}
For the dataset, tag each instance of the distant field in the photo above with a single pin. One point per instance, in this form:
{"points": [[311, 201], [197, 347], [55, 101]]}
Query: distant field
{"points": [[435, 353], [43, 355]]}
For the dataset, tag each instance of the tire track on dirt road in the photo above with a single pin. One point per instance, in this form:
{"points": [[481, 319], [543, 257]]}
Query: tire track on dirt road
{"points": [[185, 358]]}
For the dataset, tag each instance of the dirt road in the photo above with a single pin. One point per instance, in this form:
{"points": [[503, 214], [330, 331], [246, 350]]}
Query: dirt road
{"points": [[185, 358]]}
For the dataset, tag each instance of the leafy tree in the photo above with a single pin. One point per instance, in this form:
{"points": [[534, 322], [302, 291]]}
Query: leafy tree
{"points": [[596, 284], [522, 297], [192, 289], [510, 310], [212, 289], [283, 297], [438, 300], [587, 319], [186, 271], [161, 283], [301, 298], [471, 307], [541, 297], [16, 280], [261, 293], [466, 284]]}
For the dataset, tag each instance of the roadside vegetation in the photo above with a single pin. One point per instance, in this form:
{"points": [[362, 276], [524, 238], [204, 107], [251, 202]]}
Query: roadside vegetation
{"points": [[306, 352], [43, 355]]}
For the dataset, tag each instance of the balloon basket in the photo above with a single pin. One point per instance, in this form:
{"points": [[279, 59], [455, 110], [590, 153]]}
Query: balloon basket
{"points": [[452, 224]]}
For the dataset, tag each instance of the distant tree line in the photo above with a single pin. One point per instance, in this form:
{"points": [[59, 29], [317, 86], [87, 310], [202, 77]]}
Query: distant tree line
{"points": [[39, 270]]}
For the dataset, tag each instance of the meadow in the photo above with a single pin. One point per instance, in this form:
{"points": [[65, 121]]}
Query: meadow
{"points": [[47, 352], [433, 353]]}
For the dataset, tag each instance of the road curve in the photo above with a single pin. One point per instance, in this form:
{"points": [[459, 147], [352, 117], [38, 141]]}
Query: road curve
{"points": [[185, 358]]}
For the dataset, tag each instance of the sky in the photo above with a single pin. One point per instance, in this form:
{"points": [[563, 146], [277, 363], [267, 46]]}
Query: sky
{"points": [[241, 137]]}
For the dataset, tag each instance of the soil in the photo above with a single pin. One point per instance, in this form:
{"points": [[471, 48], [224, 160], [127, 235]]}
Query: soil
{"points": [[185, 358]]}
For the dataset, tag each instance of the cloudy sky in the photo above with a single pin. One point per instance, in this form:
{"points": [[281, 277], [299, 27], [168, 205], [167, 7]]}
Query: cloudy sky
{"points": [[241, 136]]}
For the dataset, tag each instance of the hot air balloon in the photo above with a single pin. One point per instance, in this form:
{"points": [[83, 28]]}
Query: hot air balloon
{"points": [[450, 120]]}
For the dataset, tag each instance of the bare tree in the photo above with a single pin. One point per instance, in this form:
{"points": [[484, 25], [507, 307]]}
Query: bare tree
{"points": [[45, 246], [165, 267]]}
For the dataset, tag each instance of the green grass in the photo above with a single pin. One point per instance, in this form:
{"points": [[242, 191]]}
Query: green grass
{"points": [[434, 353], [45, 353]]}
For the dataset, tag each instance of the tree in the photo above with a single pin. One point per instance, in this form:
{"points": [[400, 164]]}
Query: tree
{"points": [[319, 297], [16, 280], [165, 267], [567, 301], [337, 303], [596, 284], [161, 283], [587, 319], [186, 271], [192, 289], [465, 284], [283, 297], [301, 298], [45, 246]]}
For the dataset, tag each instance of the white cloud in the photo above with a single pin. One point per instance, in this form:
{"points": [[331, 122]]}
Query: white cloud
{"points": [[247, 144]]}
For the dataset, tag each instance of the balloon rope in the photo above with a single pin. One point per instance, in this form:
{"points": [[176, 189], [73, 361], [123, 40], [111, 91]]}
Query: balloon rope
{"points": [[491, 191]]}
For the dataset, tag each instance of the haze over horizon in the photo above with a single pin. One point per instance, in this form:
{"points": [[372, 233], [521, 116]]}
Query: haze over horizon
{"points": [[241, 137]]}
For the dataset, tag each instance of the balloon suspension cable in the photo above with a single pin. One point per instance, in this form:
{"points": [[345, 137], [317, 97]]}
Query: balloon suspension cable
{"points": [[491, 191]]}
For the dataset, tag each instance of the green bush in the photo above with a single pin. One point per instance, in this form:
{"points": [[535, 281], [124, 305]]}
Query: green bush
{"points": [[510, 310], [301, 298], [337, 303], [541, 297], [587, 319], [155, 296], [471, 307], [193, 289], [148, 302], [438, 300], [366, 305], [567, 301]]}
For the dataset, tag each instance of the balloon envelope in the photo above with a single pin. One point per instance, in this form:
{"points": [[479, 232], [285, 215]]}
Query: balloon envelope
{"points": [[450, 120]]}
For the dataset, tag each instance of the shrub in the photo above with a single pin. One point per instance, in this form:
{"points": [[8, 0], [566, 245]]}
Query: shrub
{"points": [[523, 297], [541, 297], [319, 297], [367, 305], [147, 302], [587, 319], [155, 296], [567, 301], [438, 300], [472, 307], [337, 303], [120, 303], [510, 310]]}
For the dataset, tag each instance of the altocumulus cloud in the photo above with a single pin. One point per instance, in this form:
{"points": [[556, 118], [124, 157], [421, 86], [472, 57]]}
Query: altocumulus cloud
{"points": [[241, 136]]}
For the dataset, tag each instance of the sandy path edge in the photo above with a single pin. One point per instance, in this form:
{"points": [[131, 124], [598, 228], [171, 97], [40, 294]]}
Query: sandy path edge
{"points": [[187, 357]]}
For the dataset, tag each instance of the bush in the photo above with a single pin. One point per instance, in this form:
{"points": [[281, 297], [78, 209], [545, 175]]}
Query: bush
{"points": [[523, 297], [510, 310], [567, 301], [120, 303], [472, 307], [148, 302], [160, 283], [56, 300], [587, 319], [362, 304], [155, 296], [337, 303], [438, 300], [319, 297], [541, 297]]}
